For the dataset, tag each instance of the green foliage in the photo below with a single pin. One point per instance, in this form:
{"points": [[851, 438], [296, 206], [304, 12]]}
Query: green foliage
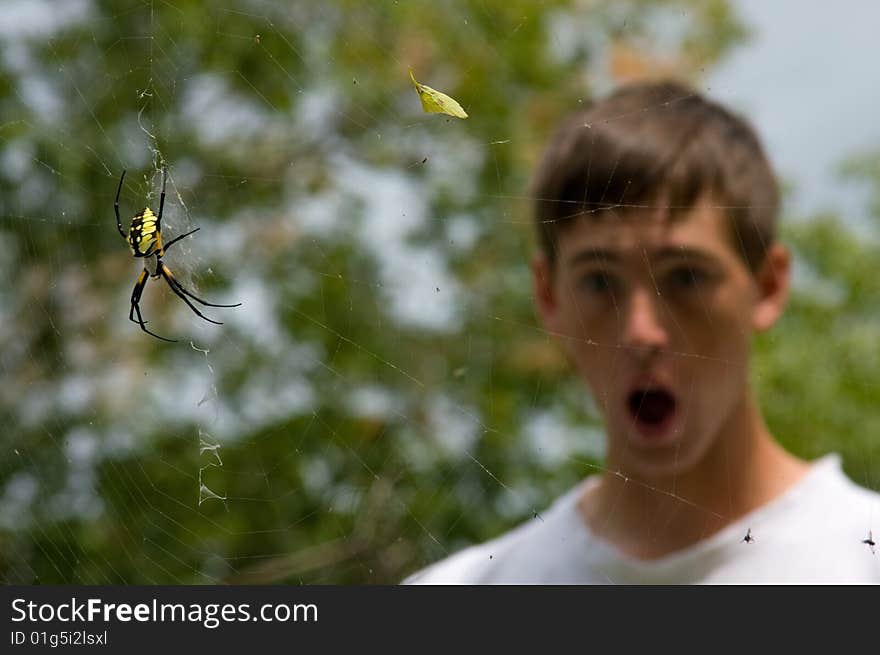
{"points": [[832, 330]]}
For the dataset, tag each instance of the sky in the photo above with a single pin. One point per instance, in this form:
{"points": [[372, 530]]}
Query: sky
{"points": [[808, 80]]}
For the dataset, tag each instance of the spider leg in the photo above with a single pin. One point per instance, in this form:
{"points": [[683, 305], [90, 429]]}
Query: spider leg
{"points": [[116, 207], [172, 281], [162, 198], [174, 285], [176, 239], [135, 304], [142, 280], [159, 247]]}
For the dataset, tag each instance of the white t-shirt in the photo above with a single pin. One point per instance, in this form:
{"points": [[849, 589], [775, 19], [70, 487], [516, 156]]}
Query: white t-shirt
{"points": [[811, 534]]}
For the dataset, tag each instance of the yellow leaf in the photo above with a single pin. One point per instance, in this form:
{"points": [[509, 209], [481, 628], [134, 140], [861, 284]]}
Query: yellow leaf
{"points": [[434, 102]]}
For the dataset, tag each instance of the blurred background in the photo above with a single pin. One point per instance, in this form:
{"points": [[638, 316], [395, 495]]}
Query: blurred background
{"points": [[384, 396]]}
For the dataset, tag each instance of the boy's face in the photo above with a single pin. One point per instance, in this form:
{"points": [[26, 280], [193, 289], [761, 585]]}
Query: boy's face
{"points": [[657, 318]]}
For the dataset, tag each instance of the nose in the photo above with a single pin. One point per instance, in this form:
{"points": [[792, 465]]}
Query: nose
{"points": [[643, 328]]}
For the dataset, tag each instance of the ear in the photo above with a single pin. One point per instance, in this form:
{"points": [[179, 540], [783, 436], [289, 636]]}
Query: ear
{"points": [[772, 280], [546, 301]]}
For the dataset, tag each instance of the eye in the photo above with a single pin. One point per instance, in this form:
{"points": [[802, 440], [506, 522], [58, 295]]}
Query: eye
{"points": [[686, 277], [596, 282]]}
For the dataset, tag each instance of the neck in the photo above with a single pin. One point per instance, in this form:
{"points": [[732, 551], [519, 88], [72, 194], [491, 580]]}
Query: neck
{"points": [[744, 469]]}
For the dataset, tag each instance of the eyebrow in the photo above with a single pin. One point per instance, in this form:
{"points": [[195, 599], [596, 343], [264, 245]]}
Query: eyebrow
{"points": [[593, 254], [667, 252]]}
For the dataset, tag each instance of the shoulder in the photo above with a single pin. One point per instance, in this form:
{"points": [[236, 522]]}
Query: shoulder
{"points": [[823, 537], [520, 556], [826, 502], [835, 490]]}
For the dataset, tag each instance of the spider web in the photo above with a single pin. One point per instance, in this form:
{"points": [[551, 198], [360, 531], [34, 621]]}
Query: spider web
{"points": [[384, 396]]}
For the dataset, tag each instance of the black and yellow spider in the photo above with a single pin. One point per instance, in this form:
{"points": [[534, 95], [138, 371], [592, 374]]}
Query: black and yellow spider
{"points": [[145, 240]]}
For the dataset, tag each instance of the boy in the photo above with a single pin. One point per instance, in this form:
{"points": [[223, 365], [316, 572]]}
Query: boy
{"points": [[656, 212]]}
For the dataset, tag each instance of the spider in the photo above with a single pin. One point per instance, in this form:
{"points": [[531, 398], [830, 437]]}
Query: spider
{"points": [[748, 538], [145, 240]]}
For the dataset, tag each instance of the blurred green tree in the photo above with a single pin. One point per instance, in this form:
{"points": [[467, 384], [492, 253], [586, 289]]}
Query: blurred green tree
{"points": [[384, 396]]}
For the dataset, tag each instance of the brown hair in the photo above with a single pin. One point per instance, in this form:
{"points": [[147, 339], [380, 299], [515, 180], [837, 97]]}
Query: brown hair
{"points": [[657, 144]]}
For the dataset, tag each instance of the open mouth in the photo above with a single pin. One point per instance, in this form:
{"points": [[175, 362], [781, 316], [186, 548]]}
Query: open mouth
{"points": [[651, 408]]}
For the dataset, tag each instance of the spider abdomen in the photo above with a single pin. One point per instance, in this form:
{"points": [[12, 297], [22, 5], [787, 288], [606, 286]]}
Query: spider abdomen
{"points": [[143, 233]]}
